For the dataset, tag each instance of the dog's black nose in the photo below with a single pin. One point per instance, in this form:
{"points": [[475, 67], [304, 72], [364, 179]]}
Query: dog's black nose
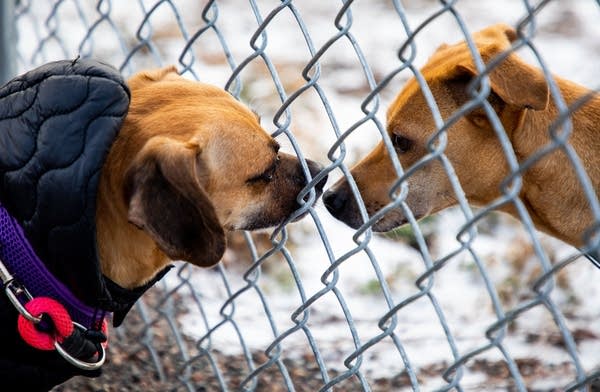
{"points": [[335, 202], [314, 168]]}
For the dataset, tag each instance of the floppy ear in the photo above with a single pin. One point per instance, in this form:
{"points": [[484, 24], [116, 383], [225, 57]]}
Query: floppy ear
{"points": [[516, 82], [153, 75], [165, 198]]}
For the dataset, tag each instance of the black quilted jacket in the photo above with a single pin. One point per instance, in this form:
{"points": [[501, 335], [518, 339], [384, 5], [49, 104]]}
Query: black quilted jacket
{"points": [[57, 124]]}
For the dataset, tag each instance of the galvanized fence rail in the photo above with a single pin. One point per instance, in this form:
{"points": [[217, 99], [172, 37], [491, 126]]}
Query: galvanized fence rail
{"points": [[130, 35]]}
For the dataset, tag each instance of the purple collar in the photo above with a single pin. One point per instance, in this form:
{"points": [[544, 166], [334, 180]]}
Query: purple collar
{"points": [[22, 262]]}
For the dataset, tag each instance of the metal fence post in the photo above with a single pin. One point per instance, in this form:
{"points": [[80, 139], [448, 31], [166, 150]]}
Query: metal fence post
{"points": [[8, 40]]}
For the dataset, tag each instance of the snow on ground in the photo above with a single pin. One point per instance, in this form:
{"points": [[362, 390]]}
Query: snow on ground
{"points": [[568, 37]]}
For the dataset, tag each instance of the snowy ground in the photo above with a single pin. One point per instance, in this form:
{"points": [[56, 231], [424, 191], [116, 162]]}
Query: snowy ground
{"points": [[568, 37]]}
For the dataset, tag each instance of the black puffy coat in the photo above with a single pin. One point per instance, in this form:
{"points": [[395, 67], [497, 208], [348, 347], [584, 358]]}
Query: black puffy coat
{"points": [[57, 124]]}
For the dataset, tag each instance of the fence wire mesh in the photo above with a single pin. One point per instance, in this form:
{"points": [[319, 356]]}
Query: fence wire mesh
{"points": [[465, 300]]}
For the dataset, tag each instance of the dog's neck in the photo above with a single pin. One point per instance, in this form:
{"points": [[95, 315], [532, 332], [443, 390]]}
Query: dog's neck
{"points": [[128, 256], [551, 191]]}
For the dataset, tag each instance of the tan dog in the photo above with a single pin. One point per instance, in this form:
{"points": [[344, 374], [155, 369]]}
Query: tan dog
{"points": [[520, 97], [189, 163]]}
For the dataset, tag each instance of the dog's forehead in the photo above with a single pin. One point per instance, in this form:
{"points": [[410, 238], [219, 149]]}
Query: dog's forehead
{"points": [[244, 144], [445, 60], [493, 39], [439, 65]]}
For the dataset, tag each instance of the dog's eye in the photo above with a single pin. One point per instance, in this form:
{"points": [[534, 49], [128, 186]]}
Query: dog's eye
{"points": [[267, 175], [401, 144]]}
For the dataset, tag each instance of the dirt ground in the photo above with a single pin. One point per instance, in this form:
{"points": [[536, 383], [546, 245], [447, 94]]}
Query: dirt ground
{"points": [[130, 367], [128, 373]]}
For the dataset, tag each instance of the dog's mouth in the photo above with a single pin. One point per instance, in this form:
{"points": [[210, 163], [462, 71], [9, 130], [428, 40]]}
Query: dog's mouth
{"points": [[273, 217], [318, 193], [387, 224], [283, 203], [265, 222], [299, 217], [396, 219], [306, 198], [390, 221]]}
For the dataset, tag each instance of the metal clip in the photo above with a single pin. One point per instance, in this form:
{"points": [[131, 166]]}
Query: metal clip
{"points": [[14, 291], [5, 275]]}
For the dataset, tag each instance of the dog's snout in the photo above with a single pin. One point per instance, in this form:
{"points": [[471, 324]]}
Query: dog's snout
{"points": [[335, 202], [314, 168]]}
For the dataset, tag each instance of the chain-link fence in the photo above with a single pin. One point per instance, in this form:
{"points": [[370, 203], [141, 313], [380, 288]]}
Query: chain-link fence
{"points": [[465, 300]]}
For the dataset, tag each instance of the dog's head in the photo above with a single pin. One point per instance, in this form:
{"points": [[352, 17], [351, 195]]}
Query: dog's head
{"points": [[192, 162], [472, 146]]}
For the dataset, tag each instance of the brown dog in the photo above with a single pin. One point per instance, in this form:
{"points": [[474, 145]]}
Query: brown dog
{"points": [[520, 97], [190, 162]]}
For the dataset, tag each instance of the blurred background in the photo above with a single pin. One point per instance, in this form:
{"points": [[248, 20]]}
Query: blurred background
{"points": [[307, 309]]}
